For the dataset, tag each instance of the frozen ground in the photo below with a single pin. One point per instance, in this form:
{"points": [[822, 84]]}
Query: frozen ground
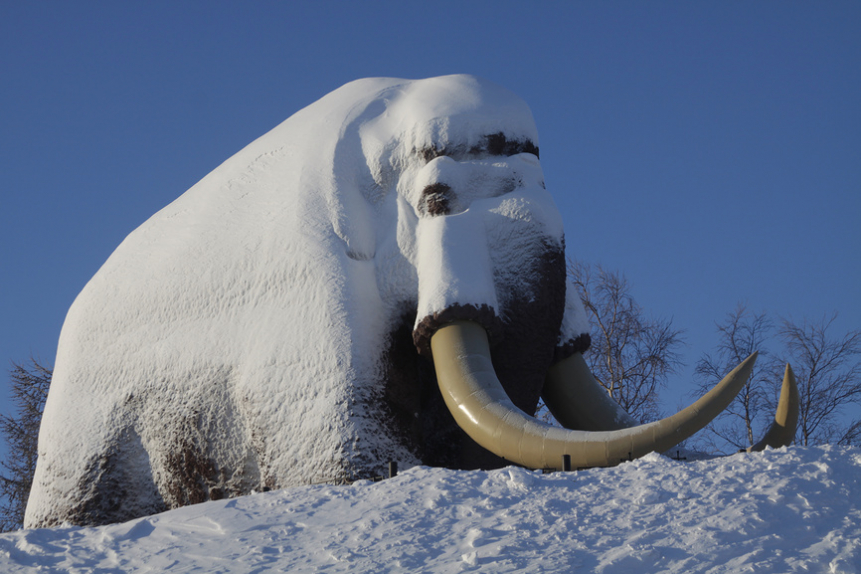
{"points": [[780, 511]]}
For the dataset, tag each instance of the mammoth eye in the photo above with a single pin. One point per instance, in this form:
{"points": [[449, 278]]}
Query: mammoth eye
{"points": [[436, 199]]}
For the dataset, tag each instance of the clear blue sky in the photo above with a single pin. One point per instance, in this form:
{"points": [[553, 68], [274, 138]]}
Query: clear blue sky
{"points": [[710, 151]]}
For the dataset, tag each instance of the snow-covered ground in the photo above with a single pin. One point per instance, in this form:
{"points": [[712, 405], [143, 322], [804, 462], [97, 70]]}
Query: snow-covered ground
{"points": [[787, 510]]}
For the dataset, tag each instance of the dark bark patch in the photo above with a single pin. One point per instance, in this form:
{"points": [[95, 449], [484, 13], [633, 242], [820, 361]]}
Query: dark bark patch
{"points": [[436, 199], [499, 144], [579, 344], [496, 144], [483, 315], [432, 152], [111, 490], [191, 475]]}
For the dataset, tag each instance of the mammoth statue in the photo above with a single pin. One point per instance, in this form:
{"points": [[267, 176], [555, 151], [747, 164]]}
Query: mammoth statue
{"points": [[380, 277]]}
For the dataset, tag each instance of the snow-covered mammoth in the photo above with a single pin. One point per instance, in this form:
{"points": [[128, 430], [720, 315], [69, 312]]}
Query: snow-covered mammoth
{"points": [[276, 324]]}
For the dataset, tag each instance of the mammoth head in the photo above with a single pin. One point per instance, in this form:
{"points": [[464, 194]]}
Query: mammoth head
{"points": [[486, 241], [481, 240], [458, 201]]}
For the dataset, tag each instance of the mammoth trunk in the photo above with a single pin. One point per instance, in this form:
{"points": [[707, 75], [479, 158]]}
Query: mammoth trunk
{"points": [[460, 279], [455, 276]]}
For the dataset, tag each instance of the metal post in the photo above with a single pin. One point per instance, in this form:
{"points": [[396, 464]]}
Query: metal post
{"points": [[393, 468], [566, 462]]}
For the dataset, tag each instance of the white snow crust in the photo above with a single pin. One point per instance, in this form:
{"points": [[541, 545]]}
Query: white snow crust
{"points": [[255, 307], [776, 512]]}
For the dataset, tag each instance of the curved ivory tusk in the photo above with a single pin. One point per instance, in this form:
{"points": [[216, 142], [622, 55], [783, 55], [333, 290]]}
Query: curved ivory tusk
{"points": [[782, 430], [578, 401], [482, 409]]}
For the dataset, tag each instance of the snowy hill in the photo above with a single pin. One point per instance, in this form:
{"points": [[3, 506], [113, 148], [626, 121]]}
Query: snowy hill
{"points": [[780, 511]]}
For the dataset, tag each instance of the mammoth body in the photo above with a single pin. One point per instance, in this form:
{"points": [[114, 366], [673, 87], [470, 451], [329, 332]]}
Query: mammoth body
{"points": [[271, 327], [381, 277]]}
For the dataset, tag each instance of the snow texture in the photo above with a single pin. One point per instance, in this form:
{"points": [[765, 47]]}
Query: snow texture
{"points": [[774, 512], [237, 339]]}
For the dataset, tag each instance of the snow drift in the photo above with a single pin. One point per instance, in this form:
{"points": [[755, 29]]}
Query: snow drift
{"points": [[775, 512]]}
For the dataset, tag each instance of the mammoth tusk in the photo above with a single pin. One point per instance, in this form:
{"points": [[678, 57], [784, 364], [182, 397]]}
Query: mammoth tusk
{"points": [[578, 401], [782, 430], [480, 406]]}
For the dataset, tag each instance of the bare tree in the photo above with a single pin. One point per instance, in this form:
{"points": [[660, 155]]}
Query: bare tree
{"points": [[739, 425], [828, 372], [632, 355], [29, 389], [851, 434]]}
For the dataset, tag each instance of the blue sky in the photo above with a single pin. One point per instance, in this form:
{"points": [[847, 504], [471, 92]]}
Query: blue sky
{"points": [[710, 151]]}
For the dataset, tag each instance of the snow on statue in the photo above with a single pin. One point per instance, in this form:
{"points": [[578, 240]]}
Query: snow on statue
{"points": [[336, 295]]}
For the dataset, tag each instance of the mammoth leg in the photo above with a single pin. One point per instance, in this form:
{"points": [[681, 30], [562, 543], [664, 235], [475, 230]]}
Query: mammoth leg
{"points": [[114, 485]]}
